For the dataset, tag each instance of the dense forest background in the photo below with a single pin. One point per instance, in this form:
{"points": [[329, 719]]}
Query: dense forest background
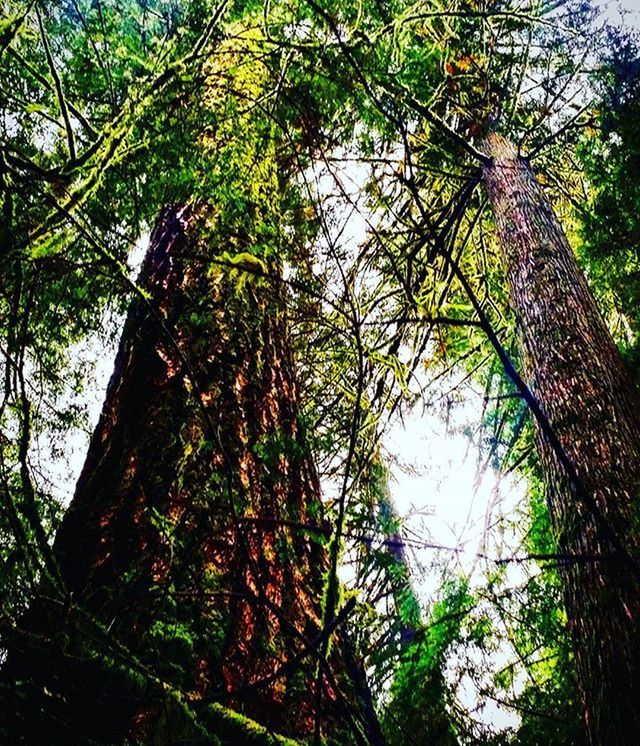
{"points": [[295, 233]]}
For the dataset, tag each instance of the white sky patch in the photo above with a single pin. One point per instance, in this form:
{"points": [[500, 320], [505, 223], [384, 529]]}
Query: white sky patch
{"points": [[440, 492], [445, 500], [620, 12], [137, 254], [60, 464]]}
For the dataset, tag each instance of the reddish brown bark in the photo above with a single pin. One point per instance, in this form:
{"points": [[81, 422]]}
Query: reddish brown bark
{"points": [[575, 371], [178, 538]]}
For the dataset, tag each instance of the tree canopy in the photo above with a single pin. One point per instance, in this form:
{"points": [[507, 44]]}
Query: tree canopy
{"points": [[335, 262]]}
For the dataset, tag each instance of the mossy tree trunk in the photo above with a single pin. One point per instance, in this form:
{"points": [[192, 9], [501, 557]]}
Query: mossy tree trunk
{"points": [[180, 542], [574, 369]]}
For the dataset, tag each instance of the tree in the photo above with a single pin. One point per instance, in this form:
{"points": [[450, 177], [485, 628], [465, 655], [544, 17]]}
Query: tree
{"points": [[192, 592], [447, 97], [177, 536], [588, 399], [190, 565]]}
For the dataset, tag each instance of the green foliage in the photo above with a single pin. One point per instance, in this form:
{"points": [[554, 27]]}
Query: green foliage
{"points": [[418, 697], [107, 115], [609, 226]]}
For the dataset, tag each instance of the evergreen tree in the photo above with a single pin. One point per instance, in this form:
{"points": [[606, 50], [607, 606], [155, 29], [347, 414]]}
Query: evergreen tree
{"points": [[358, 207]]}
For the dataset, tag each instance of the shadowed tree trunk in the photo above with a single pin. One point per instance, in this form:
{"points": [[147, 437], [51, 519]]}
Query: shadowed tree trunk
{"points": [[177, 552], [576, 373]]}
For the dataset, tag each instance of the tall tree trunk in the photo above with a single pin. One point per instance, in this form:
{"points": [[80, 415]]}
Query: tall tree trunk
{"points": [[179, 546], [574, 369]]}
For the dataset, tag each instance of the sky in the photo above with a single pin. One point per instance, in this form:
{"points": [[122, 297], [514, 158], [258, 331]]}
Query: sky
{"points": [[629, 10]]}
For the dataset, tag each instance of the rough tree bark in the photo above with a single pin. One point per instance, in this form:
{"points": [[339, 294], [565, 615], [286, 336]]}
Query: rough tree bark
{"points": [[573, 367], [180, 543]]}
